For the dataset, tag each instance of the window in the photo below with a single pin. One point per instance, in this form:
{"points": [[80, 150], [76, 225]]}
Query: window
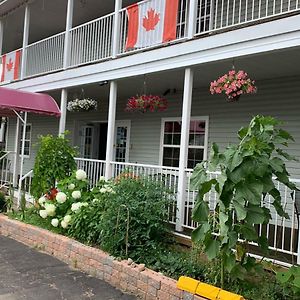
{"points": [[27, 140], [171, 134]]}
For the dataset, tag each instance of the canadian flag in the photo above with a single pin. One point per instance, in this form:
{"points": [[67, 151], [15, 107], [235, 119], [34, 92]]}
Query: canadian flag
{"points": [[10, 66], [151, 22]]}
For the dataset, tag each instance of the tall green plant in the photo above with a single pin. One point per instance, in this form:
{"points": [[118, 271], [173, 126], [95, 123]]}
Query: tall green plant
{"points": [[54, 162], [245, 181]]}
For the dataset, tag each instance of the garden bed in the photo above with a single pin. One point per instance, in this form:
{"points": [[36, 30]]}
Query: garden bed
{"points": [[133, 279]]}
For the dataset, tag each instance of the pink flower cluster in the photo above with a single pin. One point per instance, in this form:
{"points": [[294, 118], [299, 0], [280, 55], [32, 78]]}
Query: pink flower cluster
{"points": [[233, 84], [144, 103]]}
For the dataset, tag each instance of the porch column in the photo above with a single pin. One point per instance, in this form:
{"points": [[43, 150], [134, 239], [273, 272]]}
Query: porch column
{"points": [[192, 17], [111, 128], [25, 41], [17, 151], [116, 29], [184, 142], [1, 35], [69, 23], [63, 110]]}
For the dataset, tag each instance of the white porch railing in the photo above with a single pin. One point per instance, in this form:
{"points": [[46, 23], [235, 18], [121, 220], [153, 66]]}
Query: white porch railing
{"points": [[46, 55], [91, 41], [94, 168], [6, 168], [283, 234]]}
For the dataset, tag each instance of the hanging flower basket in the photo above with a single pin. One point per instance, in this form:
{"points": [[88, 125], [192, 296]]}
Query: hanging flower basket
{"points": [[144, 103], [85, 104], [233, 85]]}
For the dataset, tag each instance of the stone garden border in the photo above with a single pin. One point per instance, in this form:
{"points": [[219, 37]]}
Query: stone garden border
{"points": [[132, 279]]}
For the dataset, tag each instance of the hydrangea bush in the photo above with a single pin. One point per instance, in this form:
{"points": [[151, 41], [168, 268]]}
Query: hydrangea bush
{"points": [[72, 194]]}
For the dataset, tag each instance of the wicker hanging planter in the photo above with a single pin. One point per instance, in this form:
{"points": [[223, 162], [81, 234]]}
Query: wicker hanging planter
{"points": [[85, 104]]}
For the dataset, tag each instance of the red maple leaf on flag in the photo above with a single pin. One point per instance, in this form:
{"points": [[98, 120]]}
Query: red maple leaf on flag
{"points": [[151, 20], [10, 65]]}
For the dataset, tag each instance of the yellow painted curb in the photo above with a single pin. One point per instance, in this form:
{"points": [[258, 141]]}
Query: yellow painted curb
{"points": [[208, 291], [187, 284], [205, 290]]}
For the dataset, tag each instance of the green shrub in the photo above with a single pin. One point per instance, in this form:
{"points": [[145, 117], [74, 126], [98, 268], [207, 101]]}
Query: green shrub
{"points": [[54, 162], [2, 202], [134, 218]]}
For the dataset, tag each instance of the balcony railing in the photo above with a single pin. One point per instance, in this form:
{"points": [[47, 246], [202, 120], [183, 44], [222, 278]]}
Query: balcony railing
{"points": [[93, 41]]}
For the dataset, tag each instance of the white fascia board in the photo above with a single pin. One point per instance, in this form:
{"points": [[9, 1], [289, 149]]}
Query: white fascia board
{"points": [[266, 37]]}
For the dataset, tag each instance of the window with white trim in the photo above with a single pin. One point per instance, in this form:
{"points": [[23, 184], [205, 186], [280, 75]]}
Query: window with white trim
{"points": [[27, 140], [171, 142]]}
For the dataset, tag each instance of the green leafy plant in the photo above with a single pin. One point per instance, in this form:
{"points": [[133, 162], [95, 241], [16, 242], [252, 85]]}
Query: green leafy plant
{"points": [[290, 280], [54, 162], [245, 179], [2, 202], [134, 218]]}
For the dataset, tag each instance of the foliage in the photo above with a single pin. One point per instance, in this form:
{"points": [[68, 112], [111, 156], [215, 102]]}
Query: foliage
{"points": [[2, 202], [144, 103], [54, 162], [134, 217], [290, 280], [245, 181], [233, 84]]}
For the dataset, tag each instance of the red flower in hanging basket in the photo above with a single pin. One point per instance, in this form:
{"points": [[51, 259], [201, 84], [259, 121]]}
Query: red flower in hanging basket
{"points": [[144, 103], [233, 84]]}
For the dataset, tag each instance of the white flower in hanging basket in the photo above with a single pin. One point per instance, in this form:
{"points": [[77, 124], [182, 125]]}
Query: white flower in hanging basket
{"points": [[82, 104]]}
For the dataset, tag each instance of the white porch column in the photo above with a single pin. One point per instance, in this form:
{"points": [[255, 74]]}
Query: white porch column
{"points": [[184, 142], [17, 151], [111, 128], [69, 23], [63, 110], [1, 35], [192, 17], [25, 41], [116, 29]]}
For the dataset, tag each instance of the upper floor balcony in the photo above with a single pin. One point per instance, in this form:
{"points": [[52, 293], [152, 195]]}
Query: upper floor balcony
{"points": [[106, 37]]}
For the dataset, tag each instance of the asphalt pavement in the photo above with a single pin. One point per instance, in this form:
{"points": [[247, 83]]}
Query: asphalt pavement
{"points": [[26, 273]]}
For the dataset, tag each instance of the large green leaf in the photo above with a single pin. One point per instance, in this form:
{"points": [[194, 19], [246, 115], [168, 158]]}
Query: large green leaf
{"points": [[223, 218], [250, 190], [199, 176], [283, 277], [255, 215], [205, 187], [229, 261], [212, 248], [200, 211], [199, 234], [241, 211], [249, 233]]}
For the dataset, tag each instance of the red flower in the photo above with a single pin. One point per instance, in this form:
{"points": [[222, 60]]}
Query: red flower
{"points": [[144, 103], [51, 194]]}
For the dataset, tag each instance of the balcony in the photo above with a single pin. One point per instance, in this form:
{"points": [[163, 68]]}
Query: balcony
{"points": [[94, 41]]}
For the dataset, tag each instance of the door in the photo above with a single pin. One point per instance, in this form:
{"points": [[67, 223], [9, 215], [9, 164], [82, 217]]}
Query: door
{"points": [[122, 141], [86, 144]]}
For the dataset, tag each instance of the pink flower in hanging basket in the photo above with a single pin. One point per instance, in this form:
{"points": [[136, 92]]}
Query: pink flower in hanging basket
{"points": [[144, 103], [233, 84]]}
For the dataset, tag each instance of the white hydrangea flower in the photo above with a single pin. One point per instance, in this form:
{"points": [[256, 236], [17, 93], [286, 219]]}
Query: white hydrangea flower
{"points": [[85, 204], [61, 197], [50, 209], [81, 174], [103, 190], [67, 219], [75, 206], [95, 200], [76, 194], [71, 186], [43, 214], [109, 190], [54, 222], [42, 201], [64, 224], [102, 178]]}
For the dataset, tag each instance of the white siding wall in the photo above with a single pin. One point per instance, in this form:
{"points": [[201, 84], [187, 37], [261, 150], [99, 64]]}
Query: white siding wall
{"points": [[279, 98]]}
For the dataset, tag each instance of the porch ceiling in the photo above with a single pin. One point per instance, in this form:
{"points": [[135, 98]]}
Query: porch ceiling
{"points": [[259, 67]]}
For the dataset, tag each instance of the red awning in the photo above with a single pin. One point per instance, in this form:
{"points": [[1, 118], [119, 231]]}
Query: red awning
{"points": [[24, 101]]}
